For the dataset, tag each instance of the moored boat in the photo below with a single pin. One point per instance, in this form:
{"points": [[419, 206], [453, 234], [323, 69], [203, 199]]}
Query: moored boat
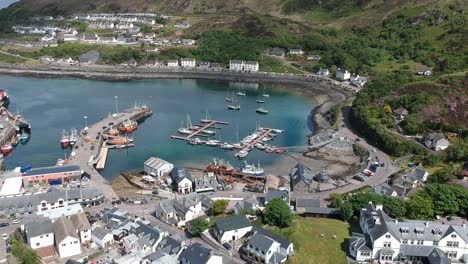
{"points": [[113, 132], [227, 146], [73, 136], [261, 110], [242, 154], [4, 98], [260, 101], [119, 141], [195, 141], [6, 149], [14, 141], [233, 107], [65, 140], [128, 126]]}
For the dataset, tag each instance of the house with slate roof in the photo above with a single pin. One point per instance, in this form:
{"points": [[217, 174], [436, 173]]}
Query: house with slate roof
{"points": [[198, 253], [400, 113], [232, 228], [384, 189], [266, 247], [39, 233], [179, 210], [182, 180], [250, 203], [275, 193], [82, 226], [301, 179], [102, 237], [311, 207], [143, 239], [67, 240], [436, 141], [389, 240]]}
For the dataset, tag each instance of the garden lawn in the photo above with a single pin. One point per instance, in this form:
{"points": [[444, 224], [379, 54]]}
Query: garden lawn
{"points": [[309, 247]]}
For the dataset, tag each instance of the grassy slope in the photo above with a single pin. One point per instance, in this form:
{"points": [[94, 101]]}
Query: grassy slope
{"points": [[309, 247]]}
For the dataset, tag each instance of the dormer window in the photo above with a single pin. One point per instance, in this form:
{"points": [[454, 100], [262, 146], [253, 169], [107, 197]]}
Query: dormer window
{"points": [[404, 230], [419, 230]]}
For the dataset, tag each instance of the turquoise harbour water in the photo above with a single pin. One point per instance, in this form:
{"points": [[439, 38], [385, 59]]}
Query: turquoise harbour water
{"points": [[51, 105]]}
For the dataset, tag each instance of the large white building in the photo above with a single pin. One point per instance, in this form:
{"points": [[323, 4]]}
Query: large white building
{"points": [[157, 167], [188, 62], [67, 240], [39, 233], [391, 240], [239, 65]]}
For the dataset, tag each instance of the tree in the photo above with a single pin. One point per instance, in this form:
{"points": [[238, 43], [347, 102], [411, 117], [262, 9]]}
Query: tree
{"points": [[198, 226], [420, 206], [277, 213], [346, 211], [395, 207], [219, 206]]}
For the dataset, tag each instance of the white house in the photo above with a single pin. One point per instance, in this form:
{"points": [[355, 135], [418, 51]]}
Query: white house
{"points": [[323, 72], [296, 52], [188, 63], [39, 233], [265, 247], [251, 66], [436, 141], [236, 65], [102, 238], [182, 180], [157, 167], [358, 80], [314, 57], [343, 74], [232, 228], [424, 72], [173, 63], [82, 226], [143, 239], [67, 240], [387, 239]]}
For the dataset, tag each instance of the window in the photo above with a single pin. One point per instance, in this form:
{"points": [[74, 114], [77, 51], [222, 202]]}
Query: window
{"points": [[63, 245], [37, 244], [365, 253], [387, 236], [435, 243], [405, 241], [452, 244], [419, 242], [42, 236], [451, 254], [387, 244], [75, 242], [454, 236]]}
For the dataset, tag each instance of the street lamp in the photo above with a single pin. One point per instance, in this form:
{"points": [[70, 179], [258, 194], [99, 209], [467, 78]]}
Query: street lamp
{"points": [[116, 106]]}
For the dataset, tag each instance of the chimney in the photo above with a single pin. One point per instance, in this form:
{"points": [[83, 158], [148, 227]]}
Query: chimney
{"points": [[427, 224], [396, 221], [379, 207]]}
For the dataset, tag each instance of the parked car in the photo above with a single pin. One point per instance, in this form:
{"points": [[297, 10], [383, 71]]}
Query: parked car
{"points": [[4, 224], [227, 246], [382, 164]]}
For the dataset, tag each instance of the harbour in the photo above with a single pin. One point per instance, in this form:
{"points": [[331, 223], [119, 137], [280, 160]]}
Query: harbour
{"points": [[62, 110]]}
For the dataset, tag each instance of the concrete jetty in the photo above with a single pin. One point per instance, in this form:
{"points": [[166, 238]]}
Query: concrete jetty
{"points": [[90, 144]]}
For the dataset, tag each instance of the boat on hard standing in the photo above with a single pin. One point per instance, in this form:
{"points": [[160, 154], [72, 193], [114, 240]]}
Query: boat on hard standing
{"points": [[252, 170], [219, 166], [65, 140], [261, 110], [6, 149]]}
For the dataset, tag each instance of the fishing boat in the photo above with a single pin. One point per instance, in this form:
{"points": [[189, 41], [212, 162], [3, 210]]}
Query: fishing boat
{"points": [[24, 137], [65, 141], [251, 170], [280, 151], [113, 132], [119, 141], [239, 93], [128, 126], [218, 166], [73, 136], [4, 98], [261, 110], [6, 149], [14, 141], [242, 154]]}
